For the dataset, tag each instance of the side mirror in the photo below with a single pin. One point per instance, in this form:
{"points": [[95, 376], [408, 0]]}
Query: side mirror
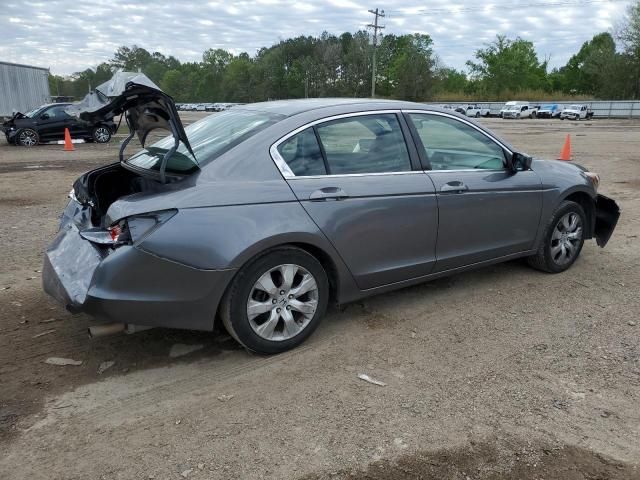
{"points": [[44, 116], [519, 162]]}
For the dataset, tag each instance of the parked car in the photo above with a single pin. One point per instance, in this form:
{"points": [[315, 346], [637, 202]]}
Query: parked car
{"points": [[550, 110], [576, 112], [262, 215], [47, 123], [520, 111], [473, 111]]}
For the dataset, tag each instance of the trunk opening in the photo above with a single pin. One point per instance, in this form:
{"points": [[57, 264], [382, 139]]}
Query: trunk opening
{"points": [[101, 187]]}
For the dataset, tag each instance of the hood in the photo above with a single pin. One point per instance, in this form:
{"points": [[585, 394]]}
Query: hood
{"points": [[144, 105], [556, 166], [18, 120]]}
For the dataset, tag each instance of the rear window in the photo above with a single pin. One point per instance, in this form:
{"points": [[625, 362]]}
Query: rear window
{"points": [[209, 138]]}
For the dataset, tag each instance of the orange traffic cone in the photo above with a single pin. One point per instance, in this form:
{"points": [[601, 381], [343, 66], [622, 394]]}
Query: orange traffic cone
{"points": [[68, 144], [565, 153]]}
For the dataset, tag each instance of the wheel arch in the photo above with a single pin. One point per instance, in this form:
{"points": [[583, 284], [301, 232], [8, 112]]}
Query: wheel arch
{"points": [[303, 242], [587, 203]]}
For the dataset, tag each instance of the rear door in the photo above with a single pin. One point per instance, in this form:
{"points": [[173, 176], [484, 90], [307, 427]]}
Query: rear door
{"points": [[361, 183], [485, 210]]}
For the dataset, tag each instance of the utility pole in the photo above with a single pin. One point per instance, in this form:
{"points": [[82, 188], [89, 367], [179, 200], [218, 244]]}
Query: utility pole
{"points": [[375, 27]]}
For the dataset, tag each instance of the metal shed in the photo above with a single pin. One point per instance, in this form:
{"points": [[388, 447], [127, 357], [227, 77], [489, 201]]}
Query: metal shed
{"points": [[22, 88]]}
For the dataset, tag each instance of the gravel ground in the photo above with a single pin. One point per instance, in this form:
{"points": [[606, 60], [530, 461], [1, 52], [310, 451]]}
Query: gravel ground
{"points": [[500, 373]]}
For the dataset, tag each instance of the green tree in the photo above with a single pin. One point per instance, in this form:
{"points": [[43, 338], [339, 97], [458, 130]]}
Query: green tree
{"points": [[629, 35], [508, 65]]}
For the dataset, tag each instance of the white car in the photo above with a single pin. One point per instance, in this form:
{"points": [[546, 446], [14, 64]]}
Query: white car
{"points": [[473, 111], [576, 112], [520, 111]]}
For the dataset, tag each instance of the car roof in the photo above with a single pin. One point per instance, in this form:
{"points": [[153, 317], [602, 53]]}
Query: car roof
{"points": [[295, 107], [54, 104]]}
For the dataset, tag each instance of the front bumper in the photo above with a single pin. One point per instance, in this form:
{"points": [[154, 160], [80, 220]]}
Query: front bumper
{"points": [[607, 215], [130, 285]]}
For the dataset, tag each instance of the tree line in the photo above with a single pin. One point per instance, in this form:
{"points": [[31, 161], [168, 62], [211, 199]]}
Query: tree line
{"points": [[408, 68]]}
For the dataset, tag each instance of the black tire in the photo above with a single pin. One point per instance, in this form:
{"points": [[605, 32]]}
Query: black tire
{"points": [[101, 134], [27, 137], [543, 259], [233, 307], [477, 114]]}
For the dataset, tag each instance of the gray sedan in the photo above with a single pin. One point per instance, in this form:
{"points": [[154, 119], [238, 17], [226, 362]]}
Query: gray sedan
{"points": [[262, 215]]}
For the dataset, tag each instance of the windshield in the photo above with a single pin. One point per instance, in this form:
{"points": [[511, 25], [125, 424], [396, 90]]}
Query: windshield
{"points": [[209, 138], [513, 107], [574, 107], [548, 107], [33, 112]]}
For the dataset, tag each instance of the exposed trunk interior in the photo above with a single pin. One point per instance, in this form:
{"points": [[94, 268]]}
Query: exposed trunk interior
{"points": [[103, 186]]}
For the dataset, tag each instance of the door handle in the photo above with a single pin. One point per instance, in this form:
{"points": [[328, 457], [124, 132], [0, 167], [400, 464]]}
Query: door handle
{"points": [[328, 193], [454, 187]]}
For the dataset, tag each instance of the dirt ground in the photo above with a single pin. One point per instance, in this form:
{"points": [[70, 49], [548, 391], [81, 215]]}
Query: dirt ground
{"points": [[500, 373]]}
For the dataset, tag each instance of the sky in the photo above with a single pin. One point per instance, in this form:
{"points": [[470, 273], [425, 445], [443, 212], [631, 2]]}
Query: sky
{"points": [[72, 35]]}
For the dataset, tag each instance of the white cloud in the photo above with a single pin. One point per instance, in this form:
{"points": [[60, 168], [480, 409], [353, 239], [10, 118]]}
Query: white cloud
{"points": [[71, 35]]}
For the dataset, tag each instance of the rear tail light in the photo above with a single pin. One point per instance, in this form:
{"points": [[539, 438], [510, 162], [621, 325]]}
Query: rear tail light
{"points": [[115, 232], [129, 230]]}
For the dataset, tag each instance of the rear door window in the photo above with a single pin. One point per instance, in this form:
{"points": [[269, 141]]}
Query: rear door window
{"points": [[364, 144], [302, 154]]}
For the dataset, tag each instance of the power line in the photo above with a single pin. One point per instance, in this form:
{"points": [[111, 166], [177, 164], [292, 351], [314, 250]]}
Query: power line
{"points": [[502, 6]]}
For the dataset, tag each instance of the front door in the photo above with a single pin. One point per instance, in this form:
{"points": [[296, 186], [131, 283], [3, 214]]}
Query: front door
{"points": [[52, 122], [355, 178], [485, 210]]}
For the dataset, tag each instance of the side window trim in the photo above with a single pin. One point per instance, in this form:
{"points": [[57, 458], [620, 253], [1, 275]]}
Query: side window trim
{"points": [[286, 171], [418, 140], [414, 153], [327, 167]]}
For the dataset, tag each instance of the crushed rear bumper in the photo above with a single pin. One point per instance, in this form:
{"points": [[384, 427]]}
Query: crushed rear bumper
{"points": [[607, 215], [128, 284]]}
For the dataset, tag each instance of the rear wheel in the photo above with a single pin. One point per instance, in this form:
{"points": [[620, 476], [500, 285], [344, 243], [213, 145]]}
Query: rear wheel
{"points": [[563, 239], [27, 137], [276, 302], [477, 114]]}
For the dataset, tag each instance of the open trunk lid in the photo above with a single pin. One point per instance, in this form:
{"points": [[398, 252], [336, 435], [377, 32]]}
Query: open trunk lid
{"points": [[144, 106]]}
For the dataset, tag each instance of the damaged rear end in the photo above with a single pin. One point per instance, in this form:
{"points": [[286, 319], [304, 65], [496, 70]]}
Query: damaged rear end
{"points": [[97, 262]]}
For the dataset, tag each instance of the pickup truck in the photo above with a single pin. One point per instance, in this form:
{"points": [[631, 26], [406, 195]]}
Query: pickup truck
{"points": [[576, 112], [550, 110], [473, 111], [520, 111]]}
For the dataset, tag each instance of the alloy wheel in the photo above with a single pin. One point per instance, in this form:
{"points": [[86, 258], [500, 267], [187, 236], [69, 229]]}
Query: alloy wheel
{"points": [[101, 135], [566, 238], [282, 302], [28, 138]]}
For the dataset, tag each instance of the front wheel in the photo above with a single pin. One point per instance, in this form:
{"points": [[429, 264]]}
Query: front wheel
{"points": [[477, 114], [563, 239], [101, 134], [276, 301], [27, 137]]}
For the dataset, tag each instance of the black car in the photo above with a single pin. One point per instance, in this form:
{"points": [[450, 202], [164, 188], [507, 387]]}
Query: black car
{"points": [[47, 123]]}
